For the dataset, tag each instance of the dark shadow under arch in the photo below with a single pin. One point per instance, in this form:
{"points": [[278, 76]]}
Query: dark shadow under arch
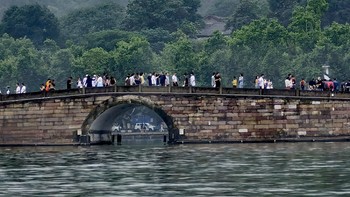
{"points": [[99, 120]]}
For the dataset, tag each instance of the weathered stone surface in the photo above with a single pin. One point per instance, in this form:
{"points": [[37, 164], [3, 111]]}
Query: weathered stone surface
{"points": [[54, 121]]}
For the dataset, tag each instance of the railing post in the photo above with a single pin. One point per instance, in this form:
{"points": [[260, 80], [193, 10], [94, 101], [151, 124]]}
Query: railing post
{"points": [[220, 89], [261, 91], [83, 90], [169, 88], [115, 88], [190, 90], [297, 92]]}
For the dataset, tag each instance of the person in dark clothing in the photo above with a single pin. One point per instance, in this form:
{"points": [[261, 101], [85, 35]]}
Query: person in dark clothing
{"points": [[162, 79], [185, 80], [149, 78], [69, 83], [336, 85], [217, 80], [89, 82], [113, 81]]}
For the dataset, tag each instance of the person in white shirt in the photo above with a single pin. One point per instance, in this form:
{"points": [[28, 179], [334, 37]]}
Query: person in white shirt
{"points": [[79, 83], [99, 82], [23, 89], [288, 84], [175, 80], [84, 80], [132, 79], [213, 80], [94, 81], [261, 81], [192, 80], [269, 84], [167, 79], [154, 79], [18, 88], [8, 90], [240, 81]]}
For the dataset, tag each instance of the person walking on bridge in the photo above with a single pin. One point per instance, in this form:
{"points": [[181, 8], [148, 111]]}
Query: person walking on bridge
{"points": [[23, 89], [174, 80], [240, 81], [261, 81], [234, 82], [213, 80], [192, 80], [18, 88]]}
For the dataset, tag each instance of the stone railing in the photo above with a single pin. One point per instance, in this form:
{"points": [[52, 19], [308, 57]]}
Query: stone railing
{"points": [[177, 90]]}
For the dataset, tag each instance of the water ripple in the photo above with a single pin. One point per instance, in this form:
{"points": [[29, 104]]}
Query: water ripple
{"points": [[307, 169]]}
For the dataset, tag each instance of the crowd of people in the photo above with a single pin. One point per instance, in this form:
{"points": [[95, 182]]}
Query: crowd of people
{"points": [[93, 81], [187, 80], [20, 89], [160, 79], [316, 84], [262, 83]]}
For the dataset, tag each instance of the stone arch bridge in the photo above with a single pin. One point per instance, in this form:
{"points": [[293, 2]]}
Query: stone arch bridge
{"points": [[190, 115]]}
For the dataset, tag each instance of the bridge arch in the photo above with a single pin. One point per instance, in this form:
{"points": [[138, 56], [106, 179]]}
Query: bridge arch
{"points": [[99, 123]]}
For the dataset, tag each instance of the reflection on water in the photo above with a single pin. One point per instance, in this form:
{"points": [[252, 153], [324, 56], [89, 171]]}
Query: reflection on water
{"points": [[304, 169]]}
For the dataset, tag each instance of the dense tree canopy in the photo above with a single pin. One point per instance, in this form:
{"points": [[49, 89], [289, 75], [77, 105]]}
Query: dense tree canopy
{"points": [[295, 36], [32, 21], [166, 14], [89, 20]]}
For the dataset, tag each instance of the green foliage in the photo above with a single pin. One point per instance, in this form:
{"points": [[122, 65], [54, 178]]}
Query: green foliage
{"points": [[89, 20], [165, 14], [283, 9], [247, 11], [157, 38], [19, 62], [132, 57], [93, 61], [58, 7], [224, 8], [106, 39], [32, 21], [179, 57], [338, 11]]}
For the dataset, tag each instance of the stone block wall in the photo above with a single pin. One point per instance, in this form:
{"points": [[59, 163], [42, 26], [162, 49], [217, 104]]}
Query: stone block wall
{"points": [[259, 119], [200, 118]]}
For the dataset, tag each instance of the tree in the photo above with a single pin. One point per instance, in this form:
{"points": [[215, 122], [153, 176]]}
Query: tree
{"points": [[133, 56], [19, 62], [93, 61], [157, 38], [283, 9], [224, 8], [305, 26], [247, 11], [32, 21], [57, 63], [166, 14], [106, 39], [90, 20], [179, 57], [339, 11]]}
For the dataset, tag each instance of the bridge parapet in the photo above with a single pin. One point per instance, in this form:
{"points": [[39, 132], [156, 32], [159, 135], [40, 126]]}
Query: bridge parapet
{"points": [[178, 90]]}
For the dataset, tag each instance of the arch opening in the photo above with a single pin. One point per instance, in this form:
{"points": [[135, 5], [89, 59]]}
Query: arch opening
{"points": [[130, 123]]}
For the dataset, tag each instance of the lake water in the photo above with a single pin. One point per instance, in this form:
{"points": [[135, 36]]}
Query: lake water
{"points": [[300, 169]]}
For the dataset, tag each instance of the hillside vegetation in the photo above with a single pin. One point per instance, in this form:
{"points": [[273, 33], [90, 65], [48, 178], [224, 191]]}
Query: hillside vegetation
{"points": [[42, 39]]}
